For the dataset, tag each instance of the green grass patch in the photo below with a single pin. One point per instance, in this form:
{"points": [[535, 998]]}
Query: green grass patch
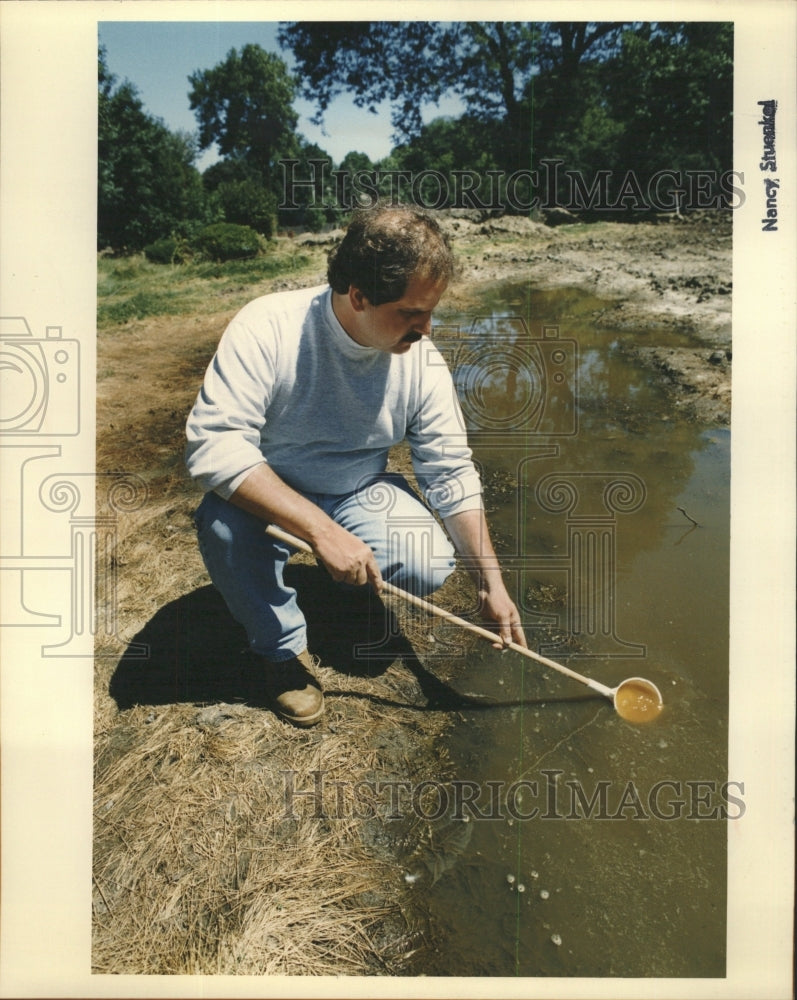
{"points": [[249, 271], [137, 306], [134, 288]]}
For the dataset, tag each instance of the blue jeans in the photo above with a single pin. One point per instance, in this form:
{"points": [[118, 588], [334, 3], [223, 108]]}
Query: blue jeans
{"points": [[246, 565]]}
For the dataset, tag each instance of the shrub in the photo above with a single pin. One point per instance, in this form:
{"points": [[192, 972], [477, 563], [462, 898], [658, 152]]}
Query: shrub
{"points": [[226, 241], [314, 218], [247, 203], [168, 250]]}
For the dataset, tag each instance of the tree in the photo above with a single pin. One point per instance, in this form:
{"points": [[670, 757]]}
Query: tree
{"points": [[247, 203], [570, 117], [444, 147], [410, 64], [375, 61], [148, 186], [679, 114], [237, 193], [611, 97], [415, 63], [230, 169], [562, 46], [489, 65], [308, 193], [244, 105]]}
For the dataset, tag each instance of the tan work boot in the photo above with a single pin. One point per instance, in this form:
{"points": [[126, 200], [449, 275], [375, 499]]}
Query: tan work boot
{"points": [[295, 690]]}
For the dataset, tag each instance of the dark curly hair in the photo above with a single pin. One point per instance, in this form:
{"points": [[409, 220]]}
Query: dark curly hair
{"points": [[384, 247]]}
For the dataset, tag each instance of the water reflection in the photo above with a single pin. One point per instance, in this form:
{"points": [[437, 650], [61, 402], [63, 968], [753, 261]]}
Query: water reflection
{"points": [[617, 832]]}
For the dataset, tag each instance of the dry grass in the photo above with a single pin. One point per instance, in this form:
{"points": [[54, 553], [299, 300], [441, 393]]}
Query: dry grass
{"points": [[201, 868]]}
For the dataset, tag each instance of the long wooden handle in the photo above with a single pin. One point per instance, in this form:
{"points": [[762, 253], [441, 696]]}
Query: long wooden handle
{"points": [[434, 609]]}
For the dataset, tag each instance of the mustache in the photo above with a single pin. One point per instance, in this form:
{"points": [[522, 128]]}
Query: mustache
{"points": [[412, 337]]}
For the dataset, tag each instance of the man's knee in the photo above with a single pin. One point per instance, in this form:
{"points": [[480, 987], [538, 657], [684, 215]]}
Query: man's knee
{"points": [[420, 558], [227, 532]]}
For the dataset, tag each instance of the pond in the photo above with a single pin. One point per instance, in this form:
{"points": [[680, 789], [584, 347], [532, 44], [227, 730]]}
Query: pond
{"points": [[595, 847]]}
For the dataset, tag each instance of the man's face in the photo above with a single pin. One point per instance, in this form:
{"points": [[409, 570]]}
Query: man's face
{"points": [[396, 326]]}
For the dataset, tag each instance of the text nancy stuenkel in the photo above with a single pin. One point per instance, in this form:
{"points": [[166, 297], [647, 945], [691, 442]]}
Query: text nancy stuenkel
{"points": [[769, 164]]}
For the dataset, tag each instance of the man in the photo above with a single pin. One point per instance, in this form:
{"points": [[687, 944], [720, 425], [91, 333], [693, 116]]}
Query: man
{"points": [[307, 392]]}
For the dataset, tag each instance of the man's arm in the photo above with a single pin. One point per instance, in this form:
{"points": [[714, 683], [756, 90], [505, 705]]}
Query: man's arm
{"points": [[471, 537], [348, 559]]}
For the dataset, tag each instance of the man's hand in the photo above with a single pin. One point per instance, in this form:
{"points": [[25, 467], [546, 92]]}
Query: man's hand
{"points": [[499, 611], [471, 538], [348, 558]]}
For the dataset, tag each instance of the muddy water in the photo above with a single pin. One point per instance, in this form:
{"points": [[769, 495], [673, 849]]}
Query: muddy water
{"points": [[598, 846]]}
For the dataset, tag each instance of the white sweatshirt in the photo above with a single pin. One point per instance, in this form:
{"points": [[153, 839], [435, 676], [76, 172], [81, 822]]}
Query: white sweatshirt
{"points": [[288, 386]]}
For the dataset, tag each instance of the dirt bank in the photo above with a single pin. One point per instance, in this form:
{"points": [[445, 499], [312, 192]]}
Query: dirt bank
{"points": [[673, 274]]}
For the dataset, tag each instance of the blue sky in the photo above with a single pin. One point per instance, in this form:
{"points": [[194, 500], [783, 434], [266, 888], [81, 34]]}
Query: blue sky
{"points": [[158, 56]]}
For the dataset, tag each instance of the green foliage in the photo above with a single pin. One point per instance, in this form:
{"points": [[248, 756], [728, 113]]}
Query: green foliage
{"points": [[230, 170], [131, 288], [147, 184], [415, 63], [308, 207], [409, 64], [168, 250], [249, 271], [443, 146], [572, 120], [224, 241], [138, 306], [244, 105], [314, 218], [247, 203], [606, 96], [679, 114], [662, 102]]}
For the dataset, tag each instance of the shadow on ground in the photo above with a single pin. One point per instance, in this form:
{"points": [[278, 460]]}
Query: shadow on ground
{"points": [[192, 650]]}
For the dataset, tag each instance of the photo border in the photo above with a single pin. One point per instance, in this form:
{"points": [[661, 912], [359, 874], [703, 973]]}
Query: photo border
{"points": [[48, 274]]}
